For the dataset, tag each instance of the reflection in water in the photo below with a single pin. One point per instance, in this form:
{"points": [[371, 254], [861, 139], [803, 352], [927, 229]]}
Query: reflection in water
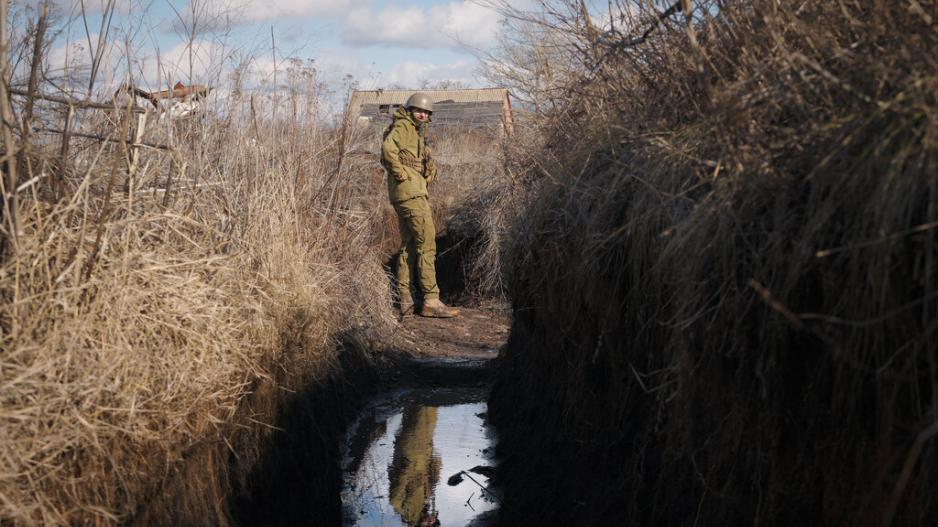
{"points": [[399, 449], [372, 430], [415, 470]]}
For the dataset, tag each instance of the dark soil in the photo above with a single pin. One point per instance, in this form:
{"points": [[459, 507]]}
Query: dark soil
{"points": [[477, 333], [440, 352]]}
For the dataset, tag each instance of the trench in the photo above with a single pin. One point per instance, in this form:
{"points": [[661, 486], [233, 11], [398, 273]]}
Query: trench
{"points": [[399, 443], [397, 437]]}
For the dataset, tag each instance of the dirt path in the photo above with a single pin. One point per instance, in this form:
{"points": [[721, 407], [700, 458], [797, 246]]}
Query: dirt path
{"points": [[446, 351], [477, 333]]}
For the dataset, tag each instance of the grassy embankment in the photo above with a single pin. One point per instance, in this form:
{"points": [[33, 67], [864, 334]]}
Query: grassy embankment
{"points": [[724, 282], [143, 325]]}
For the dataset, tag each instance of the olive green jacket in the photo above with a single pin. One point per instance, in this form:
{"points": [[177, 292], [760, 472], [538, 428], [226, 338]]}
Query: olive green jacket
{"points": [[403, 155]]}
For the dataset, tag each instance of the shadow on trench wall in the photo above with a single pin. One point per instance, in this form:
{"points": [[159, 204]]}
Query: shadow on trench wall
{"points": [[297, 479], [275, 462]]}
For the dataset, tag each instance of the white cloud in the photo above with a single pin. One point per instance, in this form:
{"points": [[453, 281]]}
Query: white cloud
{"points": [[69, 63], [336, 69], [151, 70], [217, 14], [71, 55], [201, 65], [411, 74], [468, 23], [455, 24], [74, 7], [256, 10]]}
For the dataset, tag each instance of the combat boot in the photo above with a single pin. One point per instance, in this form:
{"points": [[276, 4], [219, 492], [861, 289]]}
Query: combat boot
{"points": [[406, 304], [436, 309]]}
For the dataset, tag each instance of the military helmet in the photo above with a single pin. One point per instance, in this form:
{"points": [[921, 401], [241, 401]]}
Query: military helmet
{"points": [[419, 100]]}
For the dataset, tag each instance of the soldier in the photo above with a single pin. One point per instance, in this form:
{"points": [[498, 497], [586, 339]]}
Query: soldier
{"points": [[411, 169]]}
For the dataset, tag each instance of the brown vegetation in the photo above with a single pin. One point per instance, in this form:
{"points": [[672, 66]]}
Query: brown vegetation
{"points": [[153, 296], [724, 283], [177, 295]]}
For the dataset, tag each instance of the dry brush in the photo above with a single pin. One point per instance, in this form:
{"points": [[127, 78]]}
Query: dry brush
{"points": [[724, 284], [157, 303]]}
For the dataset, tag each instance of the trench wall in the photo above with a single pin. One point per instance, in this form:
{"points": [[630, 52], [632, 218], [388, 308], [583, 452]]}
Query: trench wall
{"points": [[659, 383], [277, 462], [725, 314]]}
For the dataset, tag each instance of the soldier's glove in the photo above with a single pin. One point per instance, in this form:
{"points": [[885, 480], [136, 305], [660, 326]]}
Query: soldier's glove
{"points": [[432, 170], [408, 160]]}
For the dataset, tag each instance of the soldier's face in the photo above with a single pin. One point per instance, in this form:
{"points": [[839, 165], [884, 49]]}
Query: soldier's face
{"points": [[421, 115]]}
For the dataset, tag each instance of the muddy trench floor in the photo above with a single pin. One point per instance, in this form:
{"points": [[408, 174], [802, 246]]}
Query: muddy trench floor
{"points": [[434, 362], [435, 350]]}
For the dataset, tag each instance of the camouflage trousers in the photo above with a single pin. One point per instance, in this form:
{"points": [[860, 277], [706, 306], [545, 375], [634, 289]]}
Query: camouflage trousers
{"points": [[418, 247]]}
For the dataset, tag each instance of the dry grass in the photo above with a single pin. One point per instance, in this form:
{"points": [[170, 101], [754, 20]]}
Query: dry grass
{"points": [[138, 312], [477, 223], [160, 303], [728, 267]]}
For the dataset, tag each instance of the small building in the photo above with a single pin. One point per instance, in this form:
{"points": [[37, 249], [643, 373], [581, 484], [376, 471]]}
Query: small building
{"points": [[469, 108]]}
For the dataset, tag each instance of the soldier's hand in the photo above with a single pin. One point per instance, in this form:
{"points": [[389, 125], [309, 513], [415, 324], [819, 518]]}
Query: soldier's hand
{"points": [[432, 170], [400, 177]]}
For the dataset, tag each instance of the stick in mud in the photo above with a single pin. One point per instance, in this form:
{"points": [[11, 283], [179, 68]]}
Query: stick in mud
{"points": [[456, 479]]}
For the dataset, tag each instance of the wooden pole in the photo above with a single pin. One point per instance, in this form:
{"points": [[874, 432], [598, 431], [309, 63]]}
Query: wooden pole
{"points": [[135, 146], [38, 40], [59, 177], [78, 104], [11, 215]]}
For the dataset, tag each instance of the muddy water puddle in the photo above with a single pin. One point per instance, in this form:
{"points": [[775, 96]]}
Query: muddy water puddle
{"points": [[418, 457]]}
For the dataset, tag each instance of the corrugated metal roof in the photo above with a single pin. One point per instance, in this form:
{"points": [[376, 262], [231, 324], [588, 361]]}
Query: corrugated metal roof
{"points": [[399, 96], [470, 114], [450, 105], [472, 108]]}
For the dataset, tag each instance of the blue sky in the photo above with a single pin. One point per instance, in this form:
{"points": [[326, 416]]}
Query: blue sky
{"points": [[379, 43]]}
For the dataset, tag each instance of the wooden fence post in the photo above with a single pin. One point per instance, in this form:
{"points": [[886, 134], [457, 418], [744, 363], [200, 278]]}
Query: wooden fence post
{"points": [[135, 146], [8, 186], [58, 176]]}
